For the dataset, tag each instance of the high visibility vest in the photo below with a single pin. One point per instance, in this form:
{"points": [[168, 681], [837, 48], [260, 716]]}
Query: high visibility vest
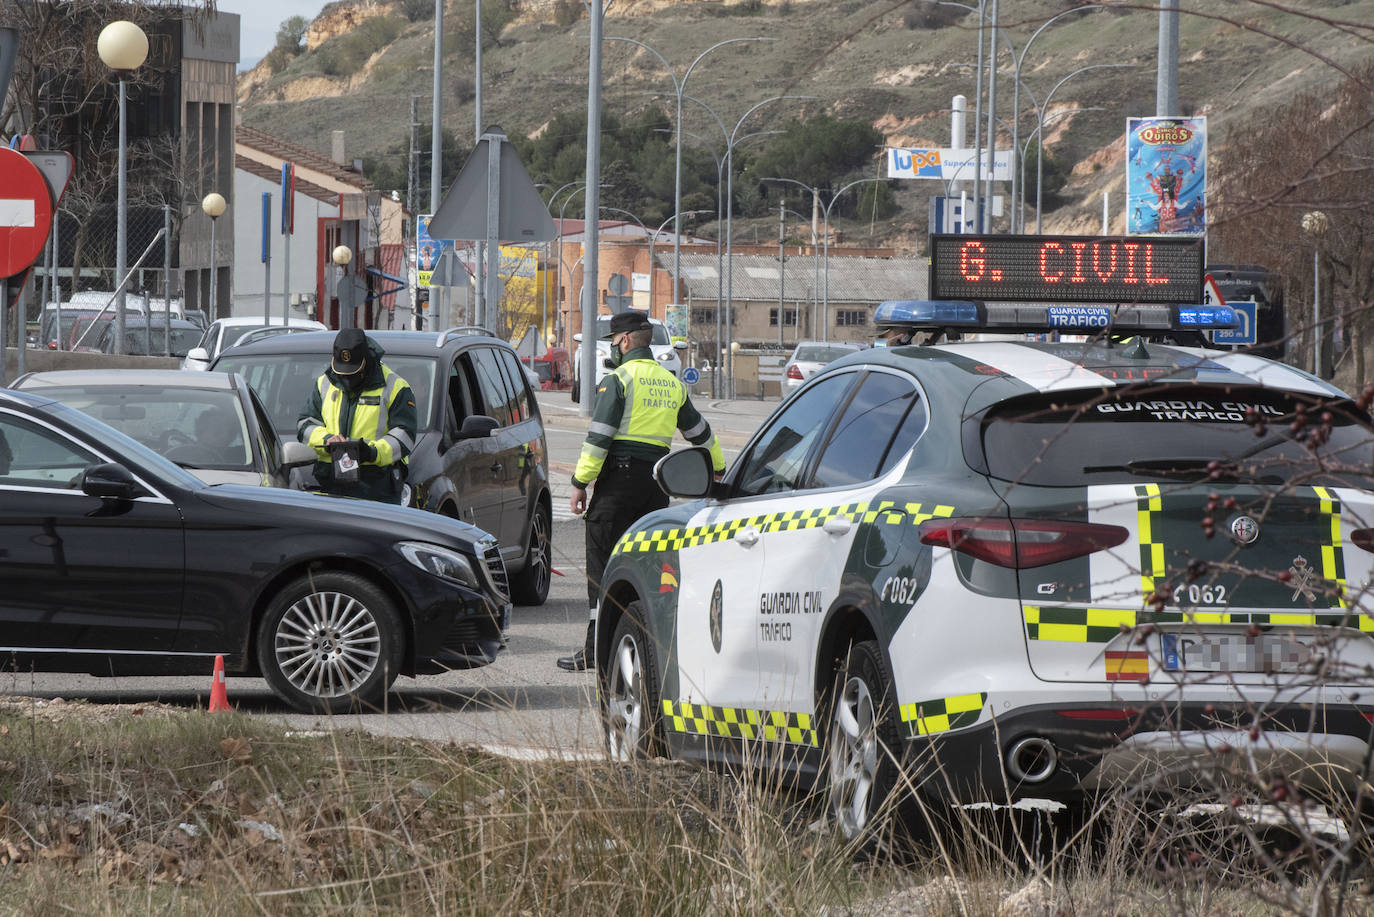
{"points": [[370, 416], [653, 397]]}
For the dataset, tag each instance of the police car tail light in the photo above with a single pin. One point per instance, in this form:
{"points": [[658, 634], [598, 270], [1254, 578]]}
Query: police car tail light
{"points": [[1363, 538], [1021, 543]]}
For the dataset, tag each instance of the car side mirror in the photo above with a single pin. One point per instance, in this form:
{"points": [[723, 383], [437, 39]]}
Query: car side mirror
{"points": [[109, 481], [198, 355], [679, 345], [296, 454], [686, 473], [477, 426], [578, 337]]}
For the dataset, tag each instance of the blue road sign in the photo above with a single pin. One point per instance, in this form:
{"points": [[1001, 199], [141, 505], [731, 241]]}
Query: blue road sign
{"points": [[1248, 312], [691, 376]]}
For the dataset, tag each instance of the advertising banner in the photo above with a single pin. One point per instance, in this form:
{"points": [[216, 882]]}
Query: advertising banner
{"points": [[427, 250], [946, 164], [1166, 175]]}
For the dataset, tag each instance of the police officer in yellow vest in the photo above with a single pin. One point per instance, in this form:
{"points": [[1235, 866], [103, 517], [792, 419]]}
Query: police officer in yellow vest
{"points": [[359, 400], [638, 406]]}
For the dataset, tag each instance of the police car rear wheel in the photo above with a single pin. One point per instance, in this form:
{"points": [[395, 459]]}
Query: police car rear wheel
{"points": [[629, 692], [531, 585], [330, 642], [861, 740]]}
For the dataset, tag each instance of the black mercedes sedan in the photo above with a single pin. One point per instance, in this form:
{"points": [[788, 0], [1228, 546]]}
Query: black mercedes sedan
{"points": [[116, 561]]}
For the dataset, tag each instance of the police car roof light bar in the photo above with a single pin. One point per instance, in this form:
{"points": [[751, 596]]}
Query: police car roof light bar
{"points": [[936, 315]]}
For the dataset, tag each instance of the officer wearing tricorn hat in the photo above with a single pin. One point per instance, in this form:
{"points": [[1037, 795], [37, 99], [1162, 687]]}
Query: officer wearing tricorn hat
{"points": [[360, 418], [638, 406]]}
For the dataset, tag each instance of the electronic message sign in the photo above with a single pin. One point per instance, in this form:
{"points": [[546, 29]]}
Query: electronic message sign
{"points": [[1067, 269]]}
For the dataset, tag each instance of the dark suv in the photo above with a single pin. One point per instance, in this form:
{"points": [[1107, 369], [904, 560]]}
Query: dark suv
{"points": [[480, 455]]}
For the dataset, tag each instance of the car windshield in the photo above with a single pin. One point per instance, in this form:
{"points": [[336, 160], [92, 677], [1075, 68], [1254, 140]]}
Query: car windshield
{"points": [[1175, 433], [196, 428], [100, 432], [820, 353], [660, 337], [182, 340], [284, 381]]}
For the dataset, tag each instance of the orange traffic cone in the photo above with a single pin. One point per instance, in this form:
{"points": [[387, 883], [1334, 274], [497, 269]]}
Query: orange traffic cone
{"points": [[219, 699]]}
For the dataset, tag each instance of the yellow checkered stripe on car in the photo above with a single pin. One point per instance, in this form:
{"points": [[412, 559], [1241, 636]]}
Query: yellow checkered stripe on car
{"points": [[885, 512], [1152, 569], [1333, 558], [739, 723], [1100, 625], [930, 717]]}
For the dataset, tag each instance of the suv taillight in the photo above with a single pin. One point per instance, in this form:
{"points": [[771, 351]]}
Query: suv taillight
{"points": [[1021, 543], [794, 371]]}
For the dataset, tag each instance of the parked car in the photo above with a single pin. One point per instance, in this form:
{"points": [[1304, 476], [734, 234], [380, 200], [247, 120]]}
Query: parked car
{"points": [[118, 562], [224, 333], [52, 336], [992, 570], [211, 424], [809, 358], [480, 454], [665, 352], [145, 337], [551, 369]]}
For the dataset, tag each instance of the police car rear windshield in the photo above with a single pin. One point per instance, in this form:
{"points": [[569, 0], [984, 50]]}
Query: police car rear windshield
{"points": [[1176, 434]]}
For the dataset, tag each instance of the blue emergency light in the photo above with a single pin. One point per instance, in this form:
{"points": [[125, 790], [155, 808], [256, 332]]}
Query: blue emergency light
{"points": [[1068, 318]]}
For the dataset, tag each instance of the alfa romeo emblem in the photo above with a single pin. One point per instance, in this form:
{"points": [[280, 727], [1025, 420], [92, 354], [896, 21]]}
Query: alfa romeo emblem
{"points": [[1244, 529], [716, 609]]}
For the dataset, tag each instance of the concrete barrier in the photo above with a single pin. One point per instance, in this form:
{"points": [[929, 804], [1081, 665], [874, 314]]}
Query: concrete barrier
{"points": [[45, 360]]}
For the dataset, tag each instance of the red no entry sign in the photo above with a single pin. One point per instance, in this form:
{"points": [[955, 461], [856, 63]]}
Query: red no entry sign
{"points": [[25, 212]]}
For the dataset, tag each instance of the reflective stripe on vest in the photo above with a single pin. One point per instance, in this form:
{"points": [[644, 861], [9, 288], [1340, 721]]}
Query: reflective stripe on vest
{"points": [[652, 399]]}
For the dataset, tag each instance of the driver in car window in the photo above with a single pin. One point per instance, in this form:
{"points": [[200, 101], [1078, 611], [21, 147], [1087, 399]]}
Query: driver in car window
{"points": [[216, 428]]}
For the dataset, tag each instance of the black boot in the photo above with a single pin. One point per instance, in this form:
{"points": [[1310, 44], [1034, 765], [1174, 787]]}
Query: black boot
{"points": [[577, 662]]}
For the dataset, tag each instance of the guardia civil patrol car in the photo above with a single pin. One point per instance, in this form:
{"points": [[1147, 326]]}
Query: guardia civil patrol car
{"points": [[1027, 569]]}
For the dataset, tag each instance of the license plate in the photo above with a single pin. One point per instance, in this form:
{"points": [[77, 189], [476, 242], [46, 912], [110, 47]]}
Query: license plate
{"points": [[1232, 653]]}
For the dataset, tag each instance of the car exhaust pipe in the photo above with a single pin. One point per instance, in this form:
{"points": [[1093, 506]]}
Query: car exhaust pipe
{"points": [[1032, 760]]}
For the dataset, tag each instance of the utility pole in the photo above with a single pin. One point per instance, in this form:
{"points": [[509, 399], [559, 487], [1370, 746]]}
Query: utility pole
{"points": [[413, 165], [1166, 82], [782, 268]]}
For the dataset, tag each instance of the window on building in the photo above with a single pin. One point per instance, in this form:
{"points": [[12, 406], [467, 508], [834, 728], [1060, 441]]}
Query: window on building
{"points": [[708, 316], [789, 316], [851, 317]]}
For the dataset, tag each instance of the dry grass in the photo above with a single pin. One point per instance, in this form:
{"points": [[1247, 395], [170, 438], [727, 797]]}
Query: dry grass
{"points": [[152, 809]]}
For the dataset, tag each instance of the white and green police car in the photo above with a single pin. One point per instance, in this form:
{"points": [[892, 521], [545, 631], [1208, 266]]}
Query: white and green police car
{"points": [[1026, 569]]}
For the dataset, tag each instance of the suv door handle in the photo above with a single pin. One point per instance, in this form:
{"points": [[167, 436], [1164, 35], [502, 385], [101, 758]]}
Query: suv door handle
{"points": [[837, 525], [747, 536]]}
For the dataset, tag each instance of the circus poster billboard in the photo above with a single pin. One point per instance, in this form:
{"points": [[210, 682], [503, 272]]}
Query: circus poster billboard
{"points": [[1166, 175]]}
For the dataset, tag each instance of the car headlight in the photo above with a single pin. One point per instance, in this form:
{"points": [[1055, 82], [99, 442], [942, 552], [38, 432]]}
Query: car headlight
{"points": [[666, 357], [440, 562]]}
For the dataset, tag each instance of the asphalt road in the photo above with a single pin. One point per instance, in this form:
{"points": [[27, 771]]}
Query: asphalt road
{"points": [[522, 704]]}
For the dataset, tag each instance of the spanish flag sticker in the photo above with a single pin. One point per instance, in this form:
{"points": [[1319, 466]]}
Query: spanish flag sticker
{"points": [[1130, 665], [667, 581]]}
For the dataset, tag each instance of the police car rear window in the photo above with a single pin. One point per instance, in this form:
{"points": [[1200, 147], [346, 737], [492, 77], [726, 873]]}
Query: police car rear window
{"points": [[1175, 433]]}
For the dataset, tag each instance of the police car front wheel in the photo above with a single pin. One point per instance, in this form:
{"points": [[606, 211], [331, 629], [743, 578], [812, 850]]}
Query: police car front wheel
{"points": [[629, 691]]}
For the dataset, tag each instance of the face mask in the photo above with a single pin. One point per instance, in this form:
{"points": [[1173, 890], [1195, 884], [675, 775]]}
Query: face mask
{"points": [[617, 356], [353, 383]]}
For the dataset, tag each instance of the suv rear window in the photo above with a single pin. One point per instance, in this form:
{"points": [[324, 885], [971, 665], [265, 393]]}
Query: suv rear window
{"points": [[1170, 433]]}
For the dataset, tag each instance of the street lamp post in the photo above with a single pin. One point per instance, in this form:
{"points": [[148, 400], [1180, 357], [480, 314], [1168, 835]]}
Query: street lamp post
{"points": [[731, 142], [213, 204], [1040, 115], [1025, 148], [679, 86], [341, 255], [654, 238], [1315, 223], [123, 47]]}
